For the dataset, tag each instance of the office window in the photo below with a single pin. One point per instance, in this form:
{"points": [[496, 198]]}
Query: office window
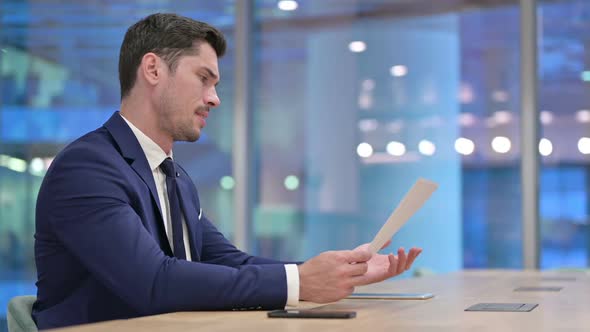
{"points": [[490, 128], [355, 102], [564, 106], [59, 80], [344, 97]]}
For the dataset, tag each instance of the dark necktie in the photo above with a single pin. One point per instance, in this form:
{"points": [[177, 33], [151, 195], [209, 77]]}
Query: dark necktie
{"points": [[175, 213]]}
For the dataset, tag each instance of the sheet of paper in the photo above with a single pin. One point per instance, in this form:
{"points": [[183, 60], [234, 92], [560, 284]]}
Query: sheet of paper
{"points": [[410, 204]]}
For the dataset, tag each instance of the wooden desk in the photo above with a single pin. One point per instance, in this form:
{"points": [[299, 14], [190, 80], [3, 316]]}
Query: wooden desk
{"points": [[566, 310]]}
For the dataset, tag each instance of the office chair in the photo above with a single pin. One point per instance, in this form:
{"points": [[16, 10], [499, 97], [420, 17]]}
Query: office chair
{"points": [[19, 314]]}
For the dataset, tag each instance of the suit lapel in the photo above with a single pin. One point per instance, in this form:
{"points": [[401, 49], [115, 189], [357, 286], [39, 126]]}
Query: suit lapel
{"points": [[132, 152]]}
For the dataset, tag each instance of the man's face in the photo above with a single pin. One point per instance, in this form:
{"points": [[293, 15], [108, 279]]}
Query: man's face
{"points": [[188, 94]]}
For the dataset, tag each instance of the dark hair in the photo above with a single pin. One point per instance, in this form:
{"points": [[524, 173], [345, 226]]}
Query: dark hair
{"points": [[167, 35]]}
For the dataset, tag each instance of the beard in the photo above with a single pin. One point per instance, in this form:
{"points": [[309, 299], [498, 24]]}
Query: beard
{"points": [[185, 130], [176, 121]]}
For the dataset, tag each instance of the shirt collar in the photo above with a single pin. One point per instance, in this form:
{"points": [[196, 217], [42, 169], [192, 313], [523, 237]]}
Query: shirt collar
{"points": [[153, 152]]}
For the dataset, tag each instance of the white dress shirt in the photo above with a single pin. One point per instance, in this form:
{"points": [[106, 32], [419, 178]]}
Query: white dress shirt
{"points": [[155, 156]]}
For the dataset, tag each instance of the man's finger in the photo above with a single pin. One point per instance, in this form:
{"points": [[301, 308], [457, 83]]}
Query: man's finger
{"points": [[414, 252], [392, 265], [358, 255], [401, 263], [386, 244]]}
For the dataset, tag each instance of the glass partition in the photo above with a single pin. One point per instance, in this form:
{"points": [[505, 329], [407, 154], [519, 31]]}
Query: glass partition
{"points": [[564, 105]]}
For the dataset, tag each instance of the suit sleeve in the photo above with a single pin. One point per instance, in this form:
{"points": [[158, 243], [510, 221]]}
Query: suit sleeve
{"points": [[88, 206]]}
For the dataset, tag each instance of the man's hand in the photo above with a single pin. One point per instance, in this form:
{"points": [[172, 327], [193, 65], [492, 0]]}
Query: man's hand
{"points": [[332, 275], [381, 267]]}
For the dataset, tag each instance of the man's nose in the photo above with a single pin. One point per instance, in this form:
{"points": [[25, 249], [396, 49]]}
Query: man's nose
{"points": [[212, 99]]}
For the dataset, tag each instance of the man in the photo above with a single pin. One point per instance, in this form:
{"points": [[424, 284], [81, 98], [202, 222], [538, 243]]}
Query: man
{"points": [[120, 231]]}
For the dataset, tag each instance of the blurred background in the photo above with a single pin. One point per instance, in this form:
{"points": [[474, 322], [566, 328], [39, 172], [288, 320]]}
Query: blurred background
{"points": [[351, 101]]}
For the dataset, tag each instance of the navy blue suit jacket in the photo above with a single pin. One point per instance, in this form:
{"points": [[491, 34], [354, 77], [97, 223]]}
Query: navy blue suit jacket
{"points": [[101, 249]]}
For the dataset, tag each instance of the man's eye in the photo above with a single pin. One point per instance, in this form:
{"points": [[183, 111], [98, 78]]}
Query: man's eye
{"points": [[203, 78]]}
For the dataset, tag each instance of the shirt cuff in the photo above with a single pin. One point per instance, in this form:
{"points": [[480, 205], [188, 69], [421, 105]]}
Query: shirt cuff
{"points": [[292, 273]]}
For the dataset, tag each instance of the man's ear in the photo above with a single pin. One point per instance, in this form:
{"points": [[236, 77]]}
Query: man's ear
{"points": [[151, 68]]}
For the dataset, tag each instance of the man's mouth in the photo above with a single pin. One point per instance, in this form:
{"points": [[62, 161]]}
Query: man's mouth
{"points": [[203, 116], [204, 113]]}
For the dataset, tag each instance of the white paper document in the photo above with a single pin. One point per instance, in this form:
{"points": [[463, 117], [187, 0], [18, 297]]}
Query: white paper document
{"points": [[410, 204]]}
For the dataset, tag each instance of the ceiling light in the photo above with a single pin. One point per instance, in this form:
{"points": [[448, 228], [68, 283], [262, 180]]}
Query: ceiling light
{"points": [[364, 150], [357, 46], [426, 147], [396, 148], [583, 116], [584, 145], [464, 146], [545, 147], [287, 5], [546, 117], [502, 117], [501, 144], [398, 71]]}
